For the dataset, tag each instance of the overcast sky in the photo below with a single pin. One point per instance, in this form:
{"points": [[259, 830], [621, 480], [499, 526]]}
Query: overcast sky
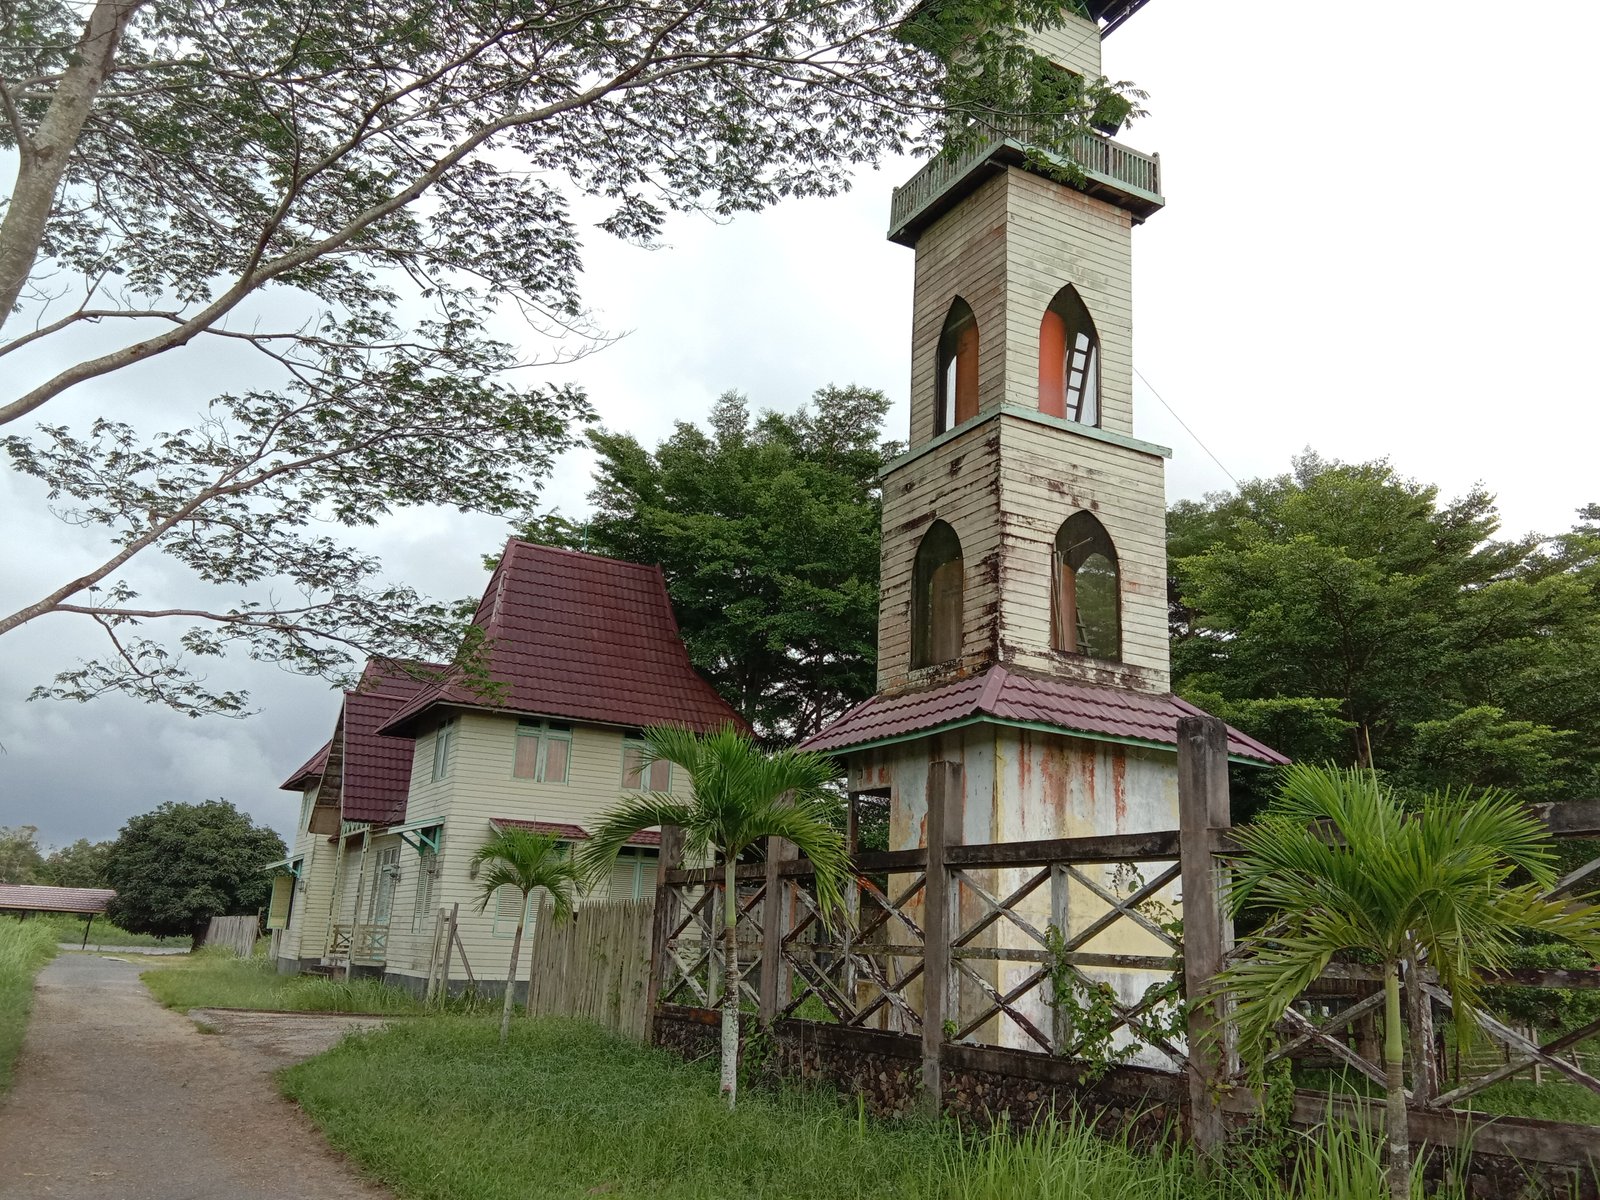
{"points": [[1378, 242]]}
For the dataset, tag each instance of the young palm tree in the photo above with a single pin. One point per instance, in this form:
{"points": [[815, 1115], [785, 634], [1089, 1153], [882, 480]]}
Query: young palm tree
{"points": [[741, 796], [1337, 863], [526, 861]]}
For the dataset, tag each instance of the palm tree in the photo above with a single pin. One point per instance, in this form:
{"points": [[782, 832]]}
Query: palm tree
{"points": [[1337, 863], [526, 861], [741, 796]]}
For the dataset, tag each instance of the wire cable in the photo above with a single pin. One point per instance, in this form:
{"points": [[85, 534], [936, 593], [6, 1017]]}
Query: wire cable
{"points": [[1185, 425]]}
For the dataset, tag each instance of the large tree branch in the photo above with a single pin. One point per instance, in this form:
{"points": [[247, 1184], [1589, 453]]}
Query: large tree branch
{"points": [[44, 156]]}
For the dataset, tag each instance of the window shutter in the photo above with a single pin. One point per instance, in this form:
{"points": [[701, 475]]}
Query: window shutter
{"points": [[526, 764], [282, 896], [507, 908], [555, 760], [624, 877]]}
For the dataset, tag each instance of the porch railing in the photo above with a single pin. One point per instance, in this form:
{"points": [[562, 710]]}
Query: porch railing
{"points": [[372, 943]]}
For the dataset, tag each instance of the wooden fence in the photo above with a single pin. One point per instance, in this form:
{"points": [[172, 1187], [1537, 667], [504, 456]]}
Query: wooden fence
{"points": [[236, 933], [596, 966], [1010, 945]]}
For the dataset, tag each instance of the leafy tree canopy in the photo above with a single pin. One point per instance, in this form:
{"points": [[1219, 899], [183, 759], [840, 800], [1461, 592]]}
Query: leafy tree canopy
{"points": [[82, 864], [344, 194], [1345, 612], [767, 531], [20, 858], [179, 866]]}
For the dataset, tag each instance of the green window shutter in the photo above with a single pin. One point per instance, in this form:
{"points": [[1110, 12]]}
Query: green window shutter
{"points": [[282, 896], [507, 908]]}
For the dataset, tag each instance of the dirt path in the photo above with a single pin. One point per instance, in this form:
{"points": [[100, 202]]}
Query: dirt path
{"points": [[116, 1098]]}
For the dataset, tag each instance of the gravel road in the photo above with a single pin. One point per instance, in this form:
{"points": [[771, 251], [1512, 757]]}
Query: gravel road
{"points": [[117, 1098]]}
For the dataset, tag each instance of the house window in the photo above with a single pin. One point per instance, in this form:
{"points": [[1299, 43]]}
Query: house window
{"points": [[443, 739], [427, 877], [543, 750], [1086, 608], [384, 882], [639, 776], [633, 875], [936, 617], [958, 368], [1069, 360]]}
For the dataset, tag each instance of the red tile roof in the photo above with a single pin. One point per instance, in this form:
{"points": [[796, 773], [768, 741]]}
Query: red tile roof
{"points": [[308, 771], [377, 769], [23, 897], [571, 833], [1006, 695], [583, 637]]}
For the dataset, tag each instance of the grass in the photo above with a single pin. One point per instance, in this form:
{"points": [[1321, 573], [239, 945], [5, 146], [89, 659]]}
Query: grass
{"points": [[1556, 1099], [25, 946], [69, 928], [214, 978], [438, 1111]]}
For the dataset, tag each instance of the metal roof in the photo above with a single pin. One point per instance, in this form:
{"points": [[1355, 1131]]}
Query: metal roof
{"points": [[308, 771], [571, 833], [1004, 696], [582, 637], [27, 897], [1110, 14], [377, 769]]}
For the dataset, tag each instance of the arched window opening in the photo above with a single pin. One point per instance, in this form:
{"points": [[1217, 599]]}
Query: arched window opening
{"points": [[958, 368], [1086, 608], [1069, 360], [936, 621]]}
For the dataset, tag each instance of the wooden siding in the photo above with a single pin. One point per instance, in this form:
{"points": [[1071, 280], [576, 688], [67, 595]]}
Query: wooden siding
{"points": [[1075, 45], [307, 933], [962, 254], [1051, 473], [956, 482], [1055, 235], [479, 787]]}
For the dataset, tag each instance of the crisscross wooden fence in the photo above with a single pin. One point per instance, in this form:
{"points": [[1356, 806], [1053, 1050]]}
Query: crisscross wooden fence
{"points": [[994, 955]]}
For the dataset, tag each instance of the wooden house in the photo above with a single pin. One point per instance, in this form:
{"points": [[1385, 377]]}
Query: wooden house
{"points": [[584, 653]]}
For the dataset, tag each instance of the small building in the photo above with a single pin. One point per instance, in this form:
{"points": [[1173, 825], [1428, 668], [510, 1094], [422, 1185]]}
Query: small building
{"points": [[583, 653]]}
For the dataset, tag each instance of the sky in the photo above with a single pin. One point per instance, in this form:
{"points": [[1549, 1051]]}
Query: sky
{"points": [[1377, 244]]}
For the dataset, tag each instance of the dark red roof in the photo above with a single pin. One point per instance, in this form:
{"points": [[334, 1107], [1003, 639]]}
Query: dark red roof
{"points": [[571, 833], [583, 637], [24, 897], [308, 771], [377, 769], [1006, 695]]}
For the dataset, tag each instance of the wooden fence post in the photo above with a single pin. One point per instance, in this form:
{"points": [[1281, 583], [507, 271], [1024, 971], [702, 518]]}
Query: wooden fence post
{"points": [[1203, 809], [671, 859], [946, 787], [774, 919]]}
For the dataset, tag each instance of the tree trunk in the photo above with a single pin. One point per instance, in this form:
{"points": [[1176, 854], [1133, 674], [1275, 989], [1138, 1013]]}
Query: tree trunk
{"points": [[1398, 1127], [730, 979], [197, 933], [511, 975]]}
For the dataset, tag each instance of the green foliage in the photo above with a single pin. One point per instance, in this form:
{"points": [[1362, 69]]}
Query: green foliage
{"points": [[349, 193], [1556, 1009], [179, 866], [529, 862], [82, 865], [583, 1113], [69, 927], [1339, 864], [20, 859], [766, 529], [741, 796], [227, 981], [1344, 612], [25, 946]]}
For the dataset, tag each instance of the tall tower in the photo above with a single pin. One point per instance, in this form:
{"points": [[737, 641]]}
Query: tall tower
{"points": [[1023, 621]]}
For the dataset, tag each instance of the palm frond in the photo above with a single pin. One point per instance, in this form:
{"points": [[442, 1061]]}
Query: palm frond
{"points": [[619, 826]]}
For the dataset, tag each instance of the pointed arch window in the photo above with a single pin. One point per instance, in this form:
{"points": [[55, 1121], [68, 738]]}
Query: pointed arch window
{"points": [[937, 585], [1069, 360], [958, 368], [1086, 605]]}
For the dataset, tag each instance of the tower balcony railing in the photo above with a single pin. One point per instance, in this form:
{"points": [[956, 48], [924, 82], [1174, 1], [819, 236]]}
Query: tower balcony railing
{"points": [[1127, 177]]}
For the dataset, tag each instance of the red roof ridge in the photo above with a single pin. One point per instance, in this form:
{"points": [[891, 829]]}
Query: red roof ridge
{"points": [[588, 554]]}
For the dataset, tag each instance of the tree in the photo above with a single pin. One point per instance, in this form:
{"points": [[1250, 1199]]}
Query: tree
{"points": [[345, 194], [177, 867], [526, 862], [1345, 612], [742, 796], [1337, 864], [82, 864], [767, 532], [20, 860]]}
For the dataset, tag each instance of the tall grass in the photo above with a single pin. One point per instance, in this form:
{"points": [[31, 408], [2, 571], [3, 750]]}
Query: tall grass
{"points": [[215, 978], [438, 1111], [25, 946], [67, 927]]}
